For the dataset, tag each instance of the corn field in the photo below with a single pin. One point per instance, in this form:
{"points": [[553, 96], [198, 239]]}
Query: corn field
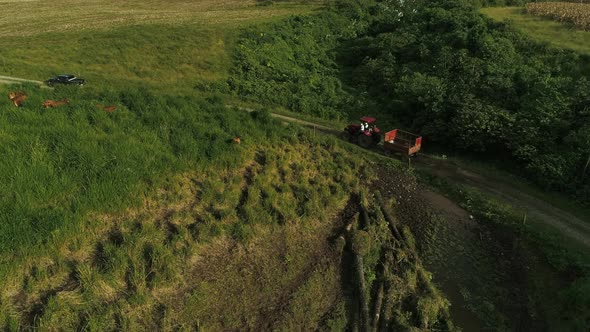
{"points": [[567, 12]]}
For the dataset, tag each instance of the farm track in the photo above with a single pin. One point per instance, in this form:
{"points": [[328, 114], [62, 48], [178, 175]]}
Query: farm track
{"points": [[16, 80], [536, 209], [288, 119]]}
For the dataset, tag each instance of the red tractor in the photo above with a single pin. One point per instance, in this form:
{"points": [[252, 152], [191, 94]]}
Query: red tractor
{"points": [[365, 134]]}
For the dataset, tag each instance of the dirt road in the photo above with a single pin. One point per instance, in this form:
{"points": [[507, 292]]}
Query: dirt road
{"points": [[16, 80], [537, 210], [288, 119]]}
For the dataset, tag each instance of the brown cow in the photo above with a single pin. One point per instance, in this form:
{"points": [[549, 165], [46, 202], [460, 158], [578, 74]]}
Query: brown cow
{"points": [[55, 103], [236, 139], [108, 109], [17, 98]]}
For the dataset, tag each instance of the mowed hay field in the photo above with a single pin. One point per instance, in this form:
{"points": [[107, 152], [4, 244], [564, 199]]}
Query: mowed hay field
{"points": [[170, 46]]}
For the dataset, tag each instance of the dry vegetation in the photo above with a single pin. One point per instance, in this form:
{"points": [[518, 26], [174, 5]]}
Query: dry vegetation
{"points": [[565, 12], [25, 18]]}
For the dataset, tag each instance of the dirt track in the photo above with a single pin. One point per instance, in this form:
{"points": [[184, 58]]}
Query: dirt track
{"points": [[16, 80], [535, 208], [288, 119]]}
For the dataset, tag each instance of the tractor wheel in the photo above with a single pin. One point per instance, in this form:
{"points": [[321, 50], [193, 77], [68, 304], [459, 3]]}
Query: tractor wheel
{"points": [[365, 141], [376, 138]]}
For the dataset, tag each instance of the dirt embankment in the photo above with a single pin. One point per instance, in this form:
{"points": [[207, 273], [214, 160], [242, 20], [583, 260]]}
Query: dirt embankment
{"points": [[479, 267]]}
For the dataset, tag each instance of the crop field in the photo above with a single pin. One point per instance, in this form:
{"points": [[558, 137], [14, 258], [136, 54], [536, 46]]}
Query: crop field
{"points": [[26, 18], [577, 14], [542, 29]]}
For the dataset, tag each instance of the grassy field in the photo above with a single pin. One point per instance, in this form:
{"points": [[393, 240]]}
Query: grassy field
{"points": [[129, 266], [545, 30], [121, 44], [150, 217], [27, 18]]}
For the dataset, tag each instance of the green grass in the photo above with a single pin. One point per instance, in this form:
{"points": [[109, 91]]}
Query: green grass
{"points": [[63, 163], [163, 57], [542, 29], [168, 55], [169, 259], [150, 218], [30, 18]]}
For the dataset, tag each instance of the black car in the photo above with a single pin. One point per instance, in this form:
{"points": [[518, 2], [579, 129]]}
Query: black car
{"points": [[66, 79]]}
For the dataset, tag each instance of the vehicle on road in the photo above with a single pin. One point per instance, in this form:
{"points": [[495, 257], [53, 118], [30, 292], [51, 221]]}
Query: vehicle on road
{"points": [[65, 79], [367, 135], [402, 141]]}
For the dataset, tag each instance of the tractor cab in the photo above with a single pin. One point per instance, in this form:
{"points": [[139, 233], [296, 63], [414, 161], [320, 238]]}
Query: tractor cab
{"points": [[365, 133], [368, 124]]}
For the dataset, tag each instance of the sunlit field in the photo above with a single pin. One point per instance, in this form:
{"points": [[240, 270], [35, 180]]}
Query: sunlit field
{"points": [[26, 18], [561, 35], [169, 46]]}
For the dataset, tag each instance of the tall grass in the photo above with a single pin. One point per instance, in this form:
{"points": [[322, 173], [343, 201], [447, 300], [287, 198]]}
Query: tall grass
{"points": [[58, 164], [149, 189]]}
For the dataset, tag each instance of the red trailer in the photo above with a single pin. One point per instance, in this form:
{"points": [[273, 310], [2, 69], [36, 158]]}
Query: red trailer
{"points": [[402, 141]]}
